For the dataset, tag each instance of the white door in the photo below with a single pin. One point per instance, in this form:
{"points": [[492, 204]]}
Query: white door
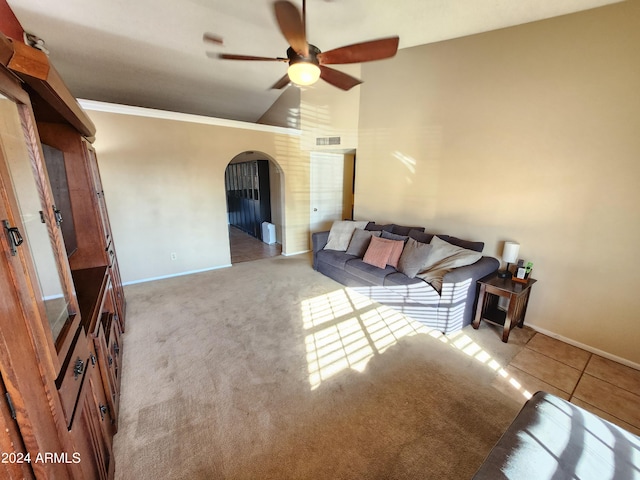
{"points": [[327, 190]]}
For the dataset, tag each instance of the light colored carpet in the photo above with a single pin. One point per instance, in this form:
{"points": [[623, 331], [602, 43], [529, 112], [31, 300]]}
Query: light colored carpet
{"points": [[270, 370]]}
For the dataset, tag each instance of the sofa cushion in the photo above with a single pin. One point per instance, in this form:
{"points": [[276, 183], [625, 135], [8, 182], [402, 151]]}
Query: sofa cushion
{"points": [[420, 236], [414, 257], [374, 227], [414, 290], [394, 236], [398, 278], [402, 230], [378, 252], [371, 226], [369, 273], [360, 242], [334, 258], [469, 245], [340, 234]]}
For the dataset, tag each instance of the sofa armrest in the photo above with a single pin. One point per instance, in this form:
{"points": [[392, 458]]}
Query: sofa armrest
{"points": [[318, 242], [458, 295], [482, 268]]}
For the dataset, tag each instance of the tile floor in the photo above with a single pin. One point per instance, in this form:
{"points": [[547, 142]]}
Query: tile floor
{"points": [[245, 248], [602, 386]]}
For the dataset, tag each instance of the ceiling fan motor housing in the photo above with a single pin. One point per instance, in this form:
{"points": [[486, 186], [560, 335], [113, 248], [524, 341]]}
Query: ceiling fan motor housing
{"points": [[295, 57]]}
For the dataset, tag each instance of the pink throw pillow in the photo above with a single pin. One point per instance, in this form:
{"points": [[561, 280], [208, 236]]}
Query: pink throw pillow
{"points": [[378, 252], [396, 251]]}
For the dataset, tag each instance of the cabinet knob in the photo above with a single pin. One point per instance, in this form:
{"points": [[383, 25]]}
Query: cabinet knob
{"points": [[103, 411], [78, 368]]}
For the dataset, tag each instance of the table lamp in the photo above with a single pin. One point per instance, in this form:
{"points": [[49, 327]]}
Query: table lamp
{"points": [[509, 255]]}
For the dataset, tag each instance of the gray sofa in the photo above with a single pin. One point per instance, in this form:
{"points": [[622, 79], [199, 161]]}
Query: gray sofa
{"points": [[448, 311], [554, 439]]}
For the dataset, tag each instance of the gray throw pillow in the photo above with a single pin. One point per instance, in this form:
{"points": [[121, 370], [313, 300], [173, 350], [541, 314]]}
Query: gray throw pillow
{"points": [[414, 257], [360, 241], [393, 236]]}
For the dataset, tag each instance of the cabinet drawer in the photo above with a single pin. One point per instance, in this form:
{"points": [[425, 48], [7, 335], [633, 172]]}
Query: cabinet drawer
{"points": [[72, 377], [104, 411], [108, 368]]}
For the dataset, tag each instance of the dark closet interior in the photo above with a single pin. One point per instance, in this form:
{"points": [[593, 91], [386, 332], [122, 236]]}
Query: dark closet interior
{"points": [[248, 195]]}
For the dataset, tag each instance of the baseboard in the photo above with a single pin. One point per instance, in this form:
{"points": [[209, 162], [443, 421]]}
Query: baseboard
{"points": [[181, 274], [588, 348], [295, 253]]}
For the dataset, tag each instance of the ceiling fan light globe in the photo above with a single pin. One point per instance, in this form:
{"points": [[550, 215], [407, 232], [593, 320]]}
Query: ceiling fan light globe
{"points": [[303, 73]]}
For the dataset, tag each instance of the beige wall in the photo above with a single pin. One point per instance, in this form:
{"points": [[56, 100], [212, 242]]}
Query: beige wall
{"points": [[164, 184], [529, 134], [285, 111], [327, 111]]}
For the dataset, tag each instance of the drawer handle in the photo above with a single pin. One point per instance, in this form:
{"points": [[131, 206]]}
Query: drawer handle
{"points": [[78, 368], [14, 237], [57, 214], [116, 348], [93, 359], [110, 360], [103, 411]]}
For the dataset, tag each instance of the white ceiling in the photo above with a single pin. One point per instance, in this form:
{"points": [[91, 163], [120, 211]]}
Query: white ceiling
{"points": [[150, 53]]}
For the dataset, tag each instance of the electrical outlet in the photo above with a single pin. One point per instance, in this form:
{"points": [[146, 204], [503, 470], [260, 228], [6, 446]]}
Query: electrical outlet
{"points": [[174, 256]]}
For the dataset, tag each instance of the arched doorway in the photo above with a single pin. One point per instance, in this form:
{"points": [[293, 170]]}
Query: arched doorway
{"points": [[253, 185]]}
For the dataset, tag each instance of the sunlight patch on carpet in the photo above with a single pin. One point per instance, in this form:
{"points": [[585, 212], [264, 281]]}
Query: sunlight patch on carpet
{"points": [[346, 330]]}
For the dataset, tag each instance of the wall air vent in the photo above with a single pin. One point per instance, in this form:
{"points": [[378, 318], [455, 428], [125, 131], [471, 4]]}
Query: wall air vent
{"points": [[328, 141]]}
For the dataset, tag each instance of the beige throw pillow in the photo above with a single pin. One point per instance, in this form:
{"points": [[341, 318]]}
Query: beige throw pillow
{"points": [[443, 258], [340, 234]]}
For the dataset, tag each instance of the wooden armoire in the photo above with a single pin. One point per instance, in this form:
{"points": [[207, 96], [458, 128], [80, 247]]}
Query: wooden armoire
{"points": [[62, 307]]}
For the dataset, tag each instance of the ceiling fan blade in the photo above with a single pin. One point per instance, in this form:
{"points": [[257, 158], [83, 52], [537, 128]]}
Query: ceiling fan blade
{"points": [[283, 82], [361, 52], [230, 56], [292, 26], [212, 38], [338, 79]]}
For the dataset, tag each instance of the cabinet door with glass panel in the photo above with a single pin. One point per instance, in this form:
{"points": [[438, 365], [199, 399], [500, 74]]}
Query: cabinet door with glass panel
{"points": [[33, 234]]}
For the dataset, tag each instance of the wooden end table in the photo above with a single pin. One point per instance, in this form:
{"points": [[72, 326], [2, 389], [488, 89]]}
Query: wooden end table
{"points": [[492, 288]]}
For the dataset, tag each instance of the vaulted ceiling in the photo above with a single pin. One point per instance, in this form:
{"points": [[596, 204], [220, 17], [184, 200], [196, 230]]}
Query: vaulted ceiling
{"points": [[150, 52]]}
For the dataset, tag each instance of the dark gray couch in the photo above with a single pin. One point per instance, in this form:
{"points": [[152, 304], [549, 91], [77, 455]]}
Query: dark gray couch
{"points": [[554, 439], [448, 311]]}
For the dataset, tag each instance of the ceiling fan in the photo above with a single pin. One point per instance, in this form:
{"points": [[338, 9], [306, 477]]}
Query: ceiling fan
{"points": [[306, 62]]}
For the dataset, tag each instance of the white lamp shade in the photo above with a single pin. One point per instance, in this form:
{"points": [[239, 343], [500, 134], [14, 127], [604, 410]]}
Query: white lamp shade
{"points": [[510, 252], [304, 73]]}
